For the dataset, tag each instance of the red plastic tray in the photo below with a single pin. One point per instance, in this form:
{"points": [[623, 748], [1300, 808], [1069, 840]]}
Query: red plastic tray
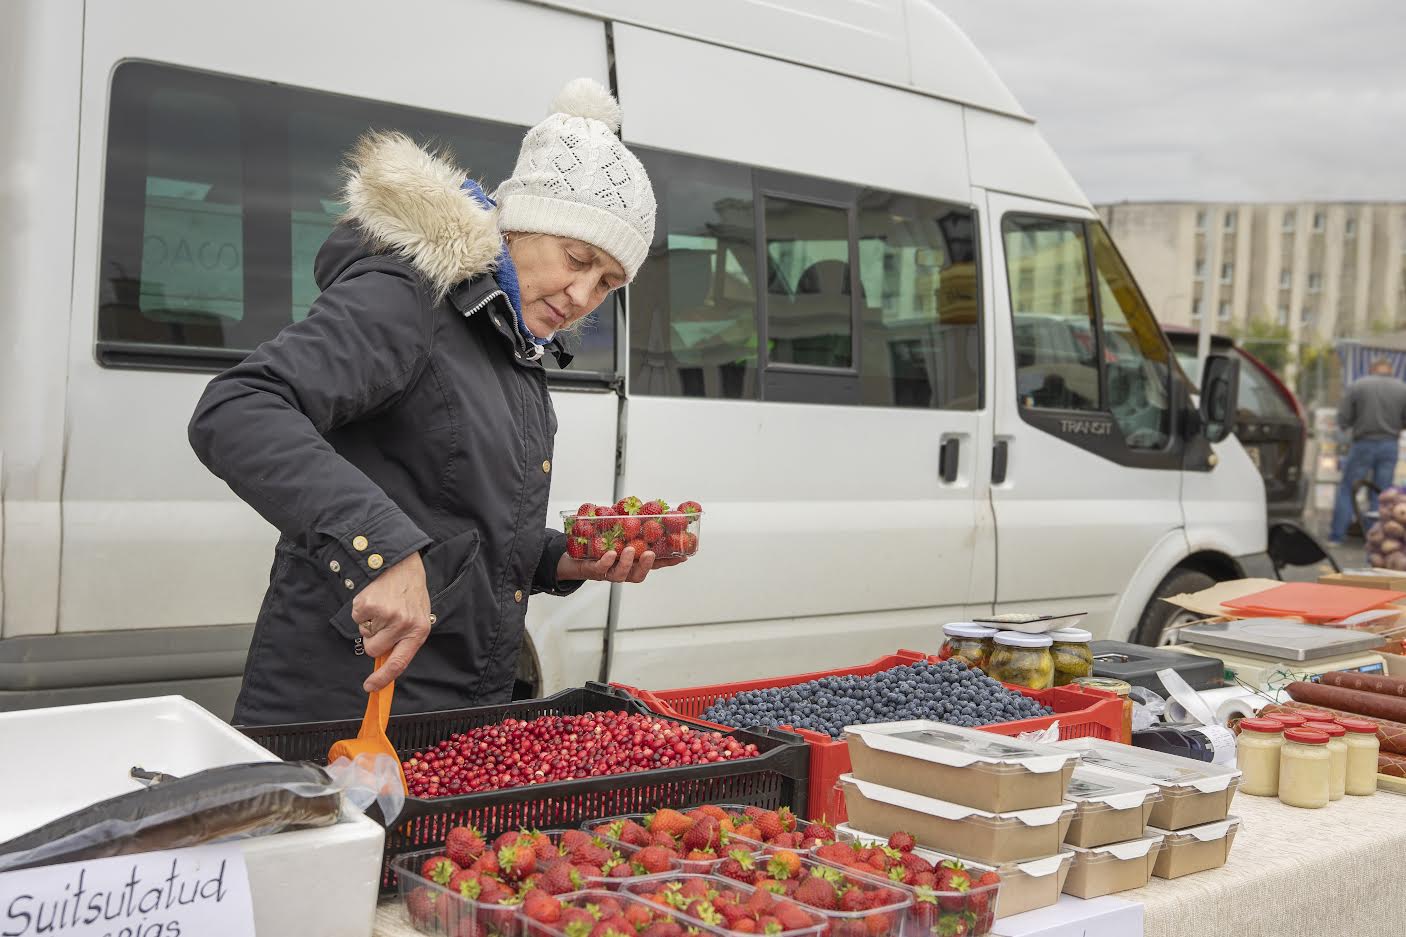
{"points": [[1313, 602], [1081, 713]]}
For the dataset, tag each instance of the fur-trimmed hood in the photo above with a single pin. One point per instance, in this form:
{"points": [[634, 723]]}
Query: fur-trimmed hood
{"points": [[407, 200]]}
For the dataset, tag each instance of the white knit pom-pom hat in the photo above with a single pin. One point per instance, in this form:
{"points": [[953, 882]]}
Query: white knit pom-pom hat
{"points": [[574, 178]]}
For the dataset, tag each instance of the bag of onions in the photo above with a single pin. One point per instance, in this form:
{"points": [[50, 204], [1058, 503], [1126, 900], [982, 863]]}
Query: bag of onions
{"points": [[1386, 540]]}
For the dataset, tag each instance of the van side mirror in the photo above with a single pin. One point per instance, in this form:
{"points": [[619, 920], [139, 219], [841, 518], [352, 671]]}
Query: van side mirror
{"points": [[1220, 396]]}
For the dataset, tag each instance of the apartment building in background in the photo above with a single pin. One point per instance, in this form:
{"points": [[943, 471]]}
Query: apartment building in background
{"points": [[1325, 270]]}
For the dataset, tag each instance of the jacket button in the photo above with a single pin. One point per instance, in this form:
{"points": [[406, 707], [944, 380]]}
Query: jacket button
{"points": [[547, 466], [517, 596], [335, 566], [375, 561], [359, 543], [348, 583]]}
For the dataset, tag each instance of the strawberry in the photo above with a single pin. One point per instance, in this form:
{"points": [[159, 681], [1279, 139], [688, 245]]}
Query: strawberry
{"points": [[598, 548], [738, 866], [988, 877], [421, 905], [592, 853], [670, 822], [793, 917], [690, 507], [652, 508], [464, 883], [663, 929], [560, 878], [628, 506], [639, 546], [577, 547], [652, 531], [785, 864], [607, 511], [954, 925], [630, 527], [952, 887], [818, 893], [842, 853], [914, 863], [674, 522], [854, 899], [682, 544], [439, 869], [541, 907], [703, 835], [654, 859], [768, 822], [581, 526], [902, 841], [492, 891], [518, 861]]}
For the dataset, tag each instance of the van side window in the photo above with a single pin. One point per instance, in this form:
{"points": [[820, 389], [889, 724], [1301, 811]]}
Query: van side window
{"points": [[1052, 314], [219, 193], [845, 270], [1136, 356], [693, 305], [921, 319]]}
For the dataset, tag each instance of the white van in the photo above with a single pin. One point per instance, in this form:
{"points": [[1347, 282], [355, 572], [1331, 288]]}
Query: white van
{"points": [[882, 336]]}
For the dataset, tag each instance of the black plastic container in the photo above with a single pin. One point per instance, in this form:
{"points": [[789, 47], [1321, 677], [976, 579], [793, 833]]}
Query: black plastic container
{"points": [[1138, 665], [777, 777]]}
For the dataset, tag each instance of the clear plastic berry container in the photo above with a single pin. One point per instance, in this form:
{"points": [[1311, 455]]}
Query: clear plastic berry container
{"points": [[434, 909], [892, 918], [669, 535], [677, 888], [621, 852], [601, 906], [690, 866], [761, 846]]}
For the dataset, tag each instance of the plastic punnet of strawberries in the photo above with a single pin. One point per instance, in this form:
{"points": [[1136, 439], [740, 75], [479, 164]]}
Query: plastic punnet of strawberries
{"points": [[950, 900], [515, 752], [602, 914], [694, 838], [770, 830], [856, 905], [730, 905], [594, 530], [485, 884]]}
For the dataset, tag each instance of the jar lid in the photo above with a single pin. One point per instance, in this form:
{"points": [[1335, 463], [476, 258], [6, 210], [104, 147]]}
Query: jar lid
{"points": [[1305, 736], [1330, 729], [967, 629], [1289, 720], [1017, 639], [1071, 635], [1262, 725], [1358, 725], [1315, 715]]}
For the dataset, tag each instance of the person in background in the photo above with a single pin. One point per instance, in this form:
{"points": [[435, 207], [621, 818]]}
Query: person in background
{"points": [[1373, 413]]}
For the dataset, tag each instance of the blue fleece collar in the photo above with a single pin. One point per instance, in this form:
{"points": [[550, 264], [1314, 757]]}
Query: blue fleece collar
{"points": [[505, 271]]}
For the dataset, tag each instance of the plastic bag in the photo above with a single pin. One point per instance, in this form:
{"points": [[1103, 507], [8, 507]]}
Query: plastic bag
{"points": [[1148, 708], [220, 804], [371, 779]]}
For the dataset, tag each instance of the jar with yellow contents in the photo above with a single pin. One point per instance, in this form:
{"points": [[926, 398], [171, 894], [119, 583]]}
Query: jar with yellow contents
{"points": [[971, 642], [1023, 660], [1072, 657]]}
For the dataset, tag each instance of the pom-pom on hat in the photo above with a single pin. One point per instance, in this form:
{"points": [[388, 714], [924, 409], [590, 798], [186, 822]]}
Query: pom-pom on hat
{"points": [[574, 178]]}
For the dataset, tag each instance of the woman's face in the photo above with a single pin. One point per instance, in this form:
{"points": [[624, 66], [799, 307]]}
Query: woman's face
{"points": [[561, 280]]}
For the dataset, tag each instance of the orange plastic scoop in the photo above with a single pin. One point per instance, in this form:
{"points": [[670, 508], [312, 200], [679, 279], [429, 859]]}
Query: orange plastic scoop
{"points": [[372, 740]]}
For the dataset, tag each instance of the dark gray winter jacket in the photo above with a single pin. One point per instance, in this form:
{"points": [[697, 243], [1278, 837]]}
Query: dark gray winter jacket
{"points": [[404, 413]]}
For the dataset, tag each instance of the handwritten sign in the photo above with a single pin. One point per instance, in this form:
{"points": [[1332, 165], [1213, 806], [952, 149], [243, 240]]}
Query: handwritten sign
{"points": [[180, 893]]}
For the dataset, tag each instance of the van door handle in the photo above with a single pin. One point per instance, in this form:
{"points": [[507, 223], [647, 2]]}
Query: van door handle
{"points": [[947, 459], [1000, 458]]}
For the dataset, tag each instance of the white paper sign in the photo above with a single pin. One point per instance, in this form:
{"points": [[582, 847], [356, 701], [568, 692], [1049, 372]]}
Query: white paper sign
{"points": [[180, 893], [1073, 917]]}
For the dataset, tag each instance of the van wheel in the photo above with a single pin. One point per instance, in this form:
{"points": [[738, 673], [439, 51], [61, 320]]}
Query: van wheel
{"points": [[1161, 621]]}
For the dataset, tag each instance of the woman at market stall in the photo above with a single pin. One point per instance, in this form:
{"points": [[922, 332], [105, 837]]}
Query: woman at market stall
{"points": [[400, 437]]}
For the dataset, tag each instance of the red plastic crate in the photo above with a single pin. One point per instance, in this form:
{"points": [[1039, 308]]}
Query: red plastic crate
{"points": [[1081, 713]]}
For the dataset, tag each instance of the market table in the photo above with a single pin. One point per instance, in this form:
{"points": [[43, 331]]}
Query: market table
{"points": [[1292, 873]]}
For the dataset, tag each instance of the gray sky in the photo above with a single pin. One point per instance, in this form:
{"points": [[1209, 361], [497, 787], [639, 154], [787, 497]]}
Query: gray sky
{"points": [[1267, 100]]}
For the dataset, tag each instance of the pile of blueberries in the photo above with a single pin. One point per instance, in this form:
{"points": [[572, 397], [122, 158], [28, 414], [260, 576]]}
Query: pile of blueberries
{"points": [[949, 692]]}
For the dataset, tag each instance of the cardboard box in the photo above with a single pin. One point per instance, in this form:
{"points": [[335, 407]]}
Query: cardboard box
{"points": [[1112, 868], [1195, 850], [1193, 792], [1025, 886], [959, 765], [983, 836], [1108, 808]]}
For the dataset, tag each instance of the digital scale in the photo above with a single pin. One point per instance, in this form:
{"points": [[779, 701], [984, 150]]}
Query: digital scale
{"points": [[1271, 652]]}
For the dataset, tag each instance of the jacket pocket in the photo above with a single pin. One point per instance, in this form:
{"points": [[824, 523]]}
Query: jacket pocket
{"points": [[447, 566]]}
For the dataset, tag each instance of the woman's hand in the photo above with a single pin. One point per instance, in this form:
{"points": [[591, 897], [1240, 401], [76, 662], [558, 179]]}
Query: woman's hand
{"points": [[613, 567], [393, 615]]}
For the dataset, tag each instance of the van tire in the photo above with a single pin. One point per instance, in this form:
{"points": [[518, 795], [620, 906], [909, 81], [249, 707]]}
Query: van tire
{"points": [[1160, 618]]}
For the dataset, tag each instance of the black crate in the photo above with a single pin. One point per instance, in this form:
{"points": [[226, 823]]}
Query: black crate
{"points": [[778, 777]]}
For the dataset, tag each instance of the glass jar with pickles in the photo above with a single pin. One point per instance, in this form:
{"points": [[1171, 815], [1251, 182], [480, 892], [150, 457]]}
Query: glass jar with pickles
{"points": [[1023, 660], [971, 642], [1072, 657]]}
